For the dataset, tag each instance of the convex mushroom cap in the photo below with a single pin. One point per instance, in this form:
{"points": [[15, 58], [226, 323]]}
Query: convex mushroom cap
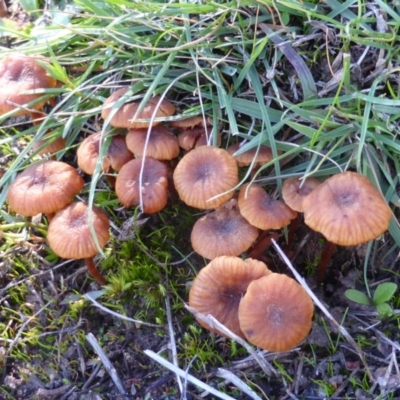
{"points": [[117, 153], [19, 74], [275, 313], [205, 173], [127, 115], [69, 234], [347, 209], [219, 287], [259, 156], [223, 232], [261, 210], [45, 187], [154, 184], [294, 191]]}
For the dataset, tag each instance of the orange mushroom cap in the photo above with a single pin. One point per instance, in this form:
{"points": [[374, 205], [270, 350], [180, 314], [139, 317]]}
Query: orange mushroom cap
{"points": [[45, 187], [293, 194], [275, 313], [263, 211], [347, 209], [127, 116], [154, 184], [48, 145], [162, 143], [117, 153], [219, 287], [223, 232], [19, 74], [204, 173], [69, 234], [263, 155]]}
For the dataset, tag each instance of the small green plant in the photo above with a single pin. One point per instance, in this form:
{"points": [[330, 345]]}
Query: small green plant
{"points": [[382, 295]]}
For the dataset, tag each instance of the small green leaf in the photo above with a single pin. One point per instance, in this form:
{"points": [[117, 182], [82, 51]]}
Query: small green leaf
{"points": [[384, 310], [384, 292], [357, 296]]}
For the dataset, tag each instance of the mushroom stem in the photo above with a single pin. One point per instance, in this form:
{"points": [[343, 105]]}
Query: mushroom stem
{"points": [[292, 231], [263, 243], [50, 216], [94, 271], [325, 260]]}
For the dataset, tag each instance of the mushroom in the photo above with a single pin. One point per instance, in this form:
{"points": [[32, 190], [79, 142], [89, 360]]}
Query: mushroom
{"points": [[348, 210], [70, 235], [45, 187], [223, 232], [219, 287], [127, 115], [49, 145], [19, 74], [261, 210], [275, 313], [205, 177], [154, 184], [295, 190], [262, 155], [117, 154], [162, 144]]}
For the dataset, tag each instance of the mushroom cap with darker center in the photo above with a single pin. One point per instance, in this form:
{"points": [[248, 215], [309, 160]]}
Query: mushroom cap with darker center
{"points": [[162, 144], [261, 210], [69, 234], [205, 173], [154, 184], [275, 313], [347, 209], [117, 154], [19, 74], [45, 187], [219, 287], [294, 191], [222, 232], [127, 116]]}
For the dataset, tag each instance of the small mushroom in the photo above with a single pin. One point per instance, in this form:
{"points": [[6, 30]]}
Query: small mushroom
{"points": [[223, 232], [154, 184], [70, 235], [49, 145], [162, 144], [262, 155], [45, 187], [19, 74], [219, 287], [261, 210], [294, 191], [127, 115], [275, 313], [205, 177]]}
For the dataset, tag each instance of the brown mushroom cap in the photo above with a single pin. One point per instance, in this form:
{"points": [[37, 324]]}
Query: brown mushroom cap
{"points": [[188, 123], [69, 233], [45, 187], [154, 184], [261, 210], [275, 313], [117, 153], [293, 195], [192, 138], [219, 287], [203, 173], [162, 143], [347, 209], [223, 232], [263, 156], [48, 145], [18, 74], [126, 116]]}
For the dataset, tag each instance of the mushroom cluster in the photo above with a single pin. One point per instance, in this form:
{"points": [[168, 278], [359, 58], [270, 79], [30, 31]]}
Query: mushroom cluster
{"points": [[270, 310]]}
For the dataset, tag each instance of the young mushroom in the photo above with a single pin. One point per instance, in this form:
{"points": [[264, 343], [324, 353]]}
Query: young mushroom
{"points": [[348, 210], [45, 187], [219, 287], [223, 232], [275, 313], [205, 177], [70, 235]]}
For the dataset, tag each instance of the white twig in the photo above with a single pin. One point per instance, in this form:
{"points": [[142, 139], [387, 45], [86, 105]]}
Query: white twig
{"points": [[339, 327], [107, 365], [187, 376], [231, 377]]}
